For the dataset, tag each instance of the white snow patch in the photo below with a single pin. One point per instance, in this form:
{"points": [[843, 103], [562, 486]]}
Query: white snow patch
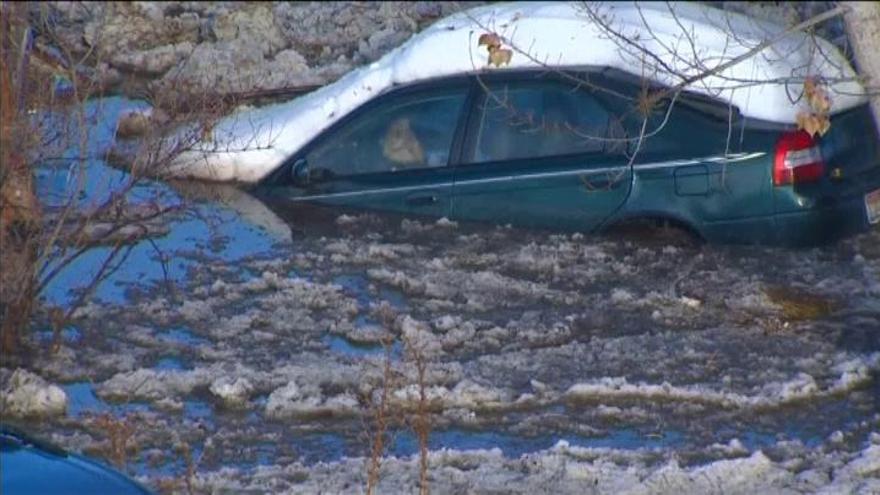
{"points": [[150, 384], [446, 223], [28, 394], [620, 296], [746, 475], [418, 336], [464, 395], [799, 387], [346, 220], [294, 400], [446, 323], [233, 392], [856, 371]]}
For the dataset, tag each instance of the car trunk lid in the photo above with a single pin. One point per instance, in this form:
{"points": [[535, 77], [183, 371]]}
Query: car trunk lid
{"points": [[851, 148]]}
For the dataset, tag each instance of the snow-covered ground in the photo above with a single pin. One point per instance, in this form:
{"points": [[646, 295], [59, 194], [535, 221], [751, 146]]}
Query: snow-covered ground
{"points": [[556, 363]]}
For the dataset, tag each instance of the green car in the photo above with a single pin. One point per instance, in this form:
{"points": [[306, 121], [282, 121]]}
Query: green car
{"points": [[582, 149]]}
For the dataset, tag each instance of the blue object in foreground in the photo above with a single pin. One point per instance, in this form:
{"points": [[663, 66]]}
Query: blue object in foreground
{"points": [[30, 466]]}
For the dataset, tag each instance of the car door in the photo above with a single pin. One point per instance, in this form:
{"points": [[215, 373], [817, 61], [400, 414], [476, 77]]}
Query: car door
{"points": [[541, 152], [392, 154]]}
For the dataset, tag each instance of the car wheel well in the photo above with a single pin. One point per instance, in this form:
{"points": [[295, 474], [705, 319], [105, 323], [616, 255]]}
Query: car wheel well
{"points": [[656, 227]]}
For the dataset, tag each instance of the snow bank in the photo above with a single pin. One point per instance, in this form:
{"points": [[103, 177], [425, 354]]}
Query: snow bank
{"points": [[246, 146], [560, 469], [28, 394], [853, 374]]}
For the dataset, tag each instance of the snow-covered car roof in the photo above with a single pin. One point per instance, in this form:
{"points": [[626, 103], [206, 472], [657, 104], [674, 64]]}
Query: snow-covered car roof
{"points": [[687, 37]]}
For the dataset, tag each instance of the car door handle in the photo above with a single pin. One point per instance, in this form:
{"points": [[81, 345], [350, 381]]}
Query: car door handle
{"points": [[422, 199]]}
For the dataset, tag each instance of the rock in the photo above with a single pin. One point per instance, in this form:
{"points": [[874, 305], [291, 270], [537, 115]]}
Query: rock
{"points": [[325, 31], [154, 61], [381, 42], [29, 395], [791, 13], [151, 10], [137, 123], [125, 28], [132, 124], [74, 12], [107, 76], [428, 9], [236, 66], [290, 59], [239, 46], [255, 25]]}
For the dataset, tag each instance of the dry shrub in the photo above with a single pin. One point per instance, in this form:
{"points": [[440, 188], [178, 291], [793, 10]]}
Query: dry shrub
{"points": [[120, 434]]}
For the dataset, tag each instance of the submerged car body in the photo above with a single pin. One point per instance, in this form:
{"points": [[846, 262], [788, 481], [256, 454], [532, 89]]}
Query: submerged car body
{"points": [[534, 149], [30, 467], [575, 144]]}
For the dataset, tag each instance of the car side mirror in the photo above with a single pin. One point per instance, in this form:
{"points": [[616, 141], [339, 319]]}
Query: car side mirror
{"points": [[299, 172]]}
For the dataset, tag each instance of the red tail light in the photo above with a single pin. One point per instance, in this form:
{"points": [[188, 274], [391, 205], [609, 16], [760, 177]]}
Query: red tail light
{"points": [[798, 159]]}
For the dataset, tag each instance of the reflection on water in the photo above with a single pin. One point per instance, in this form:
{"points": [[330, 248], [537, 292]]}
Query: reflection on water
{"points": [[182, 336], [344, 347], [514, 446], [82, 400], [169, 363]]}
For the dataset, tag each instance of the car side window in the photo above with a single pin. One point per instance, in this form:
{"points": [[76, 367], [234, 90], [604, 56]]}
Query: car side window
{"points": [[689, 129], [531, 120], [413, 131]]}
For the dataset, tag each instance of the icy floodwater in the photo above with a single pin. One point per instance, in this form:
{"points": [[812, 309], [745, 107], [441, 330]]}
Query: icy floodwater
{"points": [[553, 361]]}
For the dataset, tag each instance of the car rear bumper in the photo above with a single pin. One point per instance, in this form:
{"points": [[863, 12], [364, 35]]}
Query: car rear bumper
{"points": [[813, 226], [821, 225]]}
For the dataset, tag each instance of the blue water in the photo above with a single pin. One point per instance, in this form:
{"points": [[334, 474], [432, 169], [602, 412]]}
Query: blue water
{"points": [[170, 363], [143, 264], [69, 335], [356, 285], [263, 454], [319, 447], [183, 336], [142, 261], [341, 345], [81, 399], [513, 445], [198, 410]]}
